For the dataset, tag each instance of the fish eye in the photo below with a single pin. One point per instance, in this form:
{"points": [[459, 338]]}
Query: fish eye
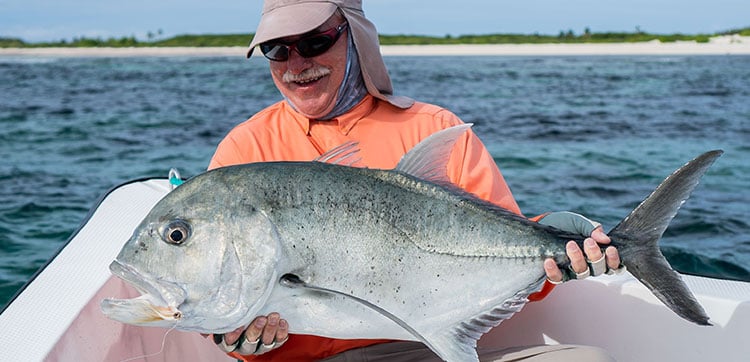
{"points": [[176, 232]]}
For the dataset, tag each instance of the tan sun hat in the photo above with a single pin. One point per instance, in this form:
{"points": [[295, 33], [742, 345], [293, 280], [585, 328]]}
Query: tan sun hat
{"points": [[283, 18]]}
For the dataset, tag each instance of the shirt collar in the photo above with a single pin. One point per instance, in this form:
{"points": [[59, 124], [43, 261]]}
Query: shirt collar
{"points": [[346, 121]]}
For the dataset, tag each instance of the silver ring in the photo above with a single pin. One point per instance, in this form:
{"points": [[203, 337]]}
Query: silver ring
{"points": [[582, 275], [226, 347], [617, 271], [598, 267], [248, 347], [263, 348]]}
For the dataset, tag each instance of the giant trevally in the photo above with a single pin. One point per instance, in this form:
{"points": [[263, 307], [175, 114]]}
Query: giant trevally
{"points": [[345, 252]]}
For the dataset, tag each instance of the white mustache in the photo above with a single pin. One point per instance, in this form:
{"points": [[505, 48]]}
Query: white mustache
{"points": [[307, 75]]}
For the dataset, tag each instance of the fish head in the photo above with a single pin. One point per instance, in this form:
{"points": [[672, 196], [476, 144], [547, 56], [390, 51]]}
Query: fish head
{"points": [[203, 260]]}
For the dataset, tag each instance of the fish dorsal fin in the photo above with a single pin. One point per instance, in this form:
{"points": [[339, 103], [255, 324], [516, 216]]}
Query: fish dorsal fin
{"points": [[460, 343], [429, 158], [345, 154]]}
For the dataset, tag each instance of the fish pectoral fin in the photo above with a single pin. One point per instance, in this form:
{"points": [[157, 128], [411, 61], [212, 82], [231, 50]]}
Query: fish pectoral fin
{"points": [[294, 281]]}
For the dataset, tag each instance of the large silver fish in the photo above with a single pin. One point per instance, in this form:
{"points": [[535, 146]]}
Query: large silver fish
{"points": [[349, 252]]}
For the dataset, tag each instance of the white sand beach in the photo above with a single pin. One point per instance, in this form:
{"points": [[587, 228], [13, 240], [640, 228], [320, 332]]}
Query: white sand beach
{"points": [[725, 45], [125, 52], [719, 46]]}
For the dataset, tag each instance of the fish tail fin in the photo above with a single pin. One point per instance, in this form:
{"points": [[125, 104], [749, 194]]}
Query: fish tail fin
{"points": [[636, 238]]}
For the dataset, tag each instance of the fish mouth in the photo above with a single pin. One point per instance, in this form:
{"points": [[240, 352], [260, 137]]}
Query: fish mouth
{"points": [[157, 305]]}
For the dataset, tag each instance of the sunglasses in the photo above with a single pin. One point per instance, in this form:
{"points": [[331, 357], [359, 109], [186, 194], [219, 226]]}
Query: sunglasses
{"points": [[307, 46]]}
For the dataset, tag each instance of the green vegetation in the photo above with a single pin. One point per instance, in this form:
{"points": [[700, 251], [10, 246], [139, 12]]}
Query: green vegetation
{"points": [[205, 40], [563, 37], [742, 32], [11, 43], [224, 40], [76, 42]]}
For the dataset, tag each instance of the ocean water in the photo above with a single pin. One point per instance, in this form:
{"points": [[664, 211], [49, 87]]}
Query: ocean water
{"points": [[588, 134]]}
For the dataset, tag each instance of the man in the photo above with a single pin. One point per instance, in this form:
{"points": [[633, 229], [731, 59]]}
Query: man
{"points": [[326, 62]]}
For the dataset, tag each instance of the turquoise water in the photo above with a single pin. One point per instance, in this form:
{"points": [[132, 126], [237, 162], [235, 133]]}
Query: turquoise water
{"points": [[588, 134]]}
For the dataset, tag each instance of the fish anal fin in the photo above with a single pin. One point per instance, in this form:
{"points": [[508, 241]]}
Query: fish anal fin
{"points": [[460, 343], [453, 347]]}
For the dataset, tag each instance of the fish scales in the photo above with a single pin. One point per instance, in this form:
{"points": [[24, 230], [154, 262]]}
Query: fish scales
{"points": [[386, 236], [436, 219]]}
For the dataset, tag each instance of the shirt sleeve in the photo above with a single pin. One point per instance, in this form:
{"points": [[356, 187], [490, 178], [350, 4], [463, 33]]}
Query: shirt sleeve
{"points": [[227, 153]]}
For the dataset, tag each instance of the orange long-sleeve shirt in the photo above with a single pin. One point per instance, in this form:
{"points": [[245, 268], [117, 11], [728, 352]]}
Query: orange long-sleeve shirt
{"points": [[385, 133]]}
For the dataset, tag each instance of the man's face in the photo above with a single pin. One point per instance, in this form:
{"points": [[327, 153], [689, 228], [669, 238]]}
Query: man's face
{"points": [[312, 84]]}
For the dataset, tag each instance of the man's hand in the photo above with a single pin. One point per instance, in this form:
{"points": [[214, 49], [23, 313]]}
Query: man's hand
{"points": [[264, 334], [584, 263], [578, 258]]}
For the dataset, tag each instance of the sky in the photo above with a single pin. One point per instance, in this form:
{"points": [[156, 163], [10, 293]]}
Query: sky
{"points": [[53, 20]]}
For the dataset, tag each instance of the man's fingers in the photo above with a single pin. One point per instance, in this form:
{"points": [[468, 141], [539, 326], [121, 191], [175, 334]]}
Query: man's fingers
{"points": [[554, 275], [264, 334], [613, 257], [233, 336], [600, 236], [587, 261], [272, 326], [577, 260], [256, 328], [591, 248], [283, 333]]}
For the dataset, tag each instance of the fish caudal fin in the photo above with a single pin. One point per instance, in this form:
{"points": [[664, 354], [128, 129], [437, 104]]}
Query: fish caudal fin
{"points": [[637, 237]]}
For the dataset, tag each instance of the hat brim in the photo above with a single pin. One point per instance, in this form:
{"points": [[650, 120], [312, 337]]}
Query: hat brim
{"points": [[291, 20]]}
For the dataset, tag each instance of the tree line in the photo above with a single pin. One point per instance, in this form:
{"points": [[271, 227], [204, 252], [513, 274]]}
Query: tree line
{"points": [[224, 40]]}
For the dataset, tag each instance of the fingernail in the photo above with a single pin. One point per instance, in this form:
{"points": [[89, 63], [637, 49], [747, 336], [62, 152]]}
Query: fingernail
{"points": [[260, 322], [283, 324], [590, 243], [571, 246], [273, 320]]}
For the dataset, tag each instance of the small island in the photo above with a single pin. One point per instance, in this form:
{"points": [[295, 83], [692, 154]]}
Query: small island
{"points": [[735, 41]]}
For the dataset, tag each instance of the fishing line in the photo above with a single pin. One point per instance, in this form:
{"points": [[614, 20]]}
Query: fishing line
{"points": [[163, 343]]}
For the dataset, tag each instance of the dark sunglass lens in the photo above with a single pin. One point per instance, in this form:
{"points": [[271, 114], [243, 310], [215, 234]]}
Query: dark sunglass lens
{"points": [[277, 52], [314, 46]]}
